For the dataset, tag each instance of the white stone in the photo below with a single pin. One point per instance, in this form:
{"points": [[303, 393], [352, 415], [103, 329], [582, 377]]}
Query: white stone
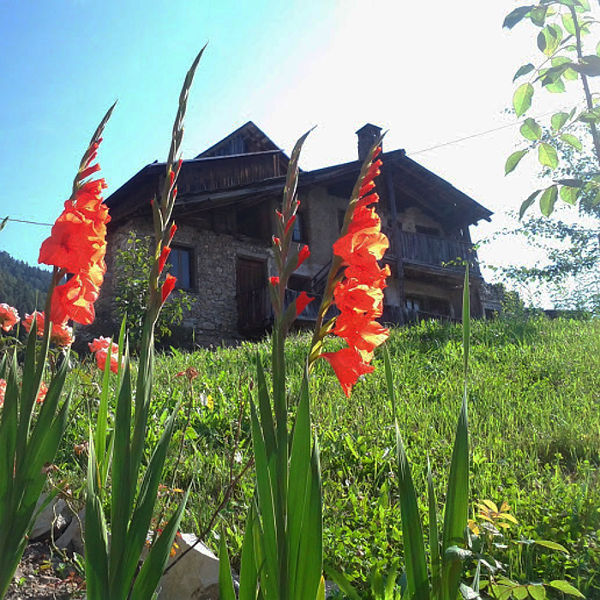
{"points": [[195, 576], [72, 536], [53, 516]]}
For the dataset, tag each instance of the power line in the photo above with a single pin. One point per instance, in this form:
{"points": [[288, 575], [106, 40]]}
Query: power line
{"points": [[475, 135], [28, 222]]}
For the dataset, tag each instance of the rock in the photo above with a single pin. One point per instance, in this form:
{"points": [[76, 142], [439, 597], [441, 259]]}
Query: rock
{"points": [[72, 538], [195, 576], [55, 516]]}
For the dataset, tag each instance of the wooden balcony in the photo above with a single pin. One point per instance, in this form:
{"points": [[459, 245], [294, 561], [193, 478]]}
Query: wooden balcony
{"points": [[427, 250]]}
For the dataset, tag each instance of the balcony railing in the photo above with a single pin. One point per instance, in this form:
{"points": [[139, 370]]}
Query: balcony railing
{"points": [[433, 251]]}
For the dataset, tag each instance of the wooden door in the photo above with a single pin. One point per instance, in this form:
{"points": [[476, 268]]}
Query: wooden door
{"points": [[252, 295]]}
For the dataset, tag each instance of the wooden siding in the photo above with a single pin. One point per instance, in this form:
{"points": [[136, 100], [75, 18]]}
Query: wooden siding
{"points": [[208, 175]]}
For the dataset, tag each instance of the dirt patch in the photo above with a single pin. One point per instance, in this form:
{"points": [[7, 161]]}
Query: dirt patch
{"points": [[44, 575]]}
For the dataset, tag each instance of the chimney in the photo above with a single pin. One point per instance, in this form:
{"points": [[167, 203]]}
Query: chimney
{"points": [[367, 135]]}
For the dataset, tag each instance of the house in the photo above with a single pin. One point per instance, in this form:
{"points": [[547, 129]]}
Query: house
{"points": [[225, 212]]}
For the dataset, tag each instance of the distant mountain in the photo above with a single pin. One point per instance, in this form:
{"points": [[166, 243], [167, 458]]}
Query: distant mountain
{"points": [[21, 285]]}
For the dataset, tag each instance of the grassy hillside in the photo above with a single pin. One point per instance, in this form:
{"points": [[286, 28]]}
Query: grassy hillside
{"points": [[534, 394]]}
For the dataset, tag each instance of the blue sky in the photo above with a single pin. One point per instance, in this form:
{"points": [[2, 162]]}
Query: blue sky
{"points": [[429, 73]]}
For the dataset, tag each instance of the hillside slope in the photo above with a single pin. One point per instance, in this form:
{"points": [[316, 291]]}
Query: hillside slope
{"points": [[22, 285]]}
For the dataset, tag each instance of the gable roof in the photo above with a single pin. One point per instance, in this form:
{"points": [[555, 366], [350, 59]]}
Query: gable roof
{"points": [[246, 166], [244, 140]]}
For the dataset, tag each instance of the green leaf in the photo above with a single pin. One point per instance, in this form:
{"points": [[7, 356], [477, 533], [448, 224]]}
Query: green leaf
{"points": [[342, 582], [457, 502], [517, 15], [537, 592], [558, 120], [226, 591], [569, 194], [566, 588], [589, 116], [547, 155], [513, 160], [552, 545], [589, 66], [522, 98], [555, 87], [149, 576], [538, 15], [598, 49], [568, 23], [434, 541], [523, 71], [531, 130], [527, 203], [548, 200], [412, 533], [570, 139], [248, 570]]}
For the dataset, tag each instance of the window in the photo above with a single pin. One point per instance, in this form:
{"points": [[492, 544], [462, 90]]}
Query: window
{"points": [[299, 231], [412, 303], [180, 260]]}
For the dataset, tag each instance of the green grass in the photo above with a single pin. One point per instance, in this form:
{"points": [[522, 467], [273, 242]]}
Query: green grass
{"points": [[534, 411]]}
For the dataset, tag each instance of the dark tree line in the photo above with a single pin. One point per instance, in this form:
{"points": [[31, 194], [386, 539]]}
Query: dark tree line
{"points": [[22, 285]]}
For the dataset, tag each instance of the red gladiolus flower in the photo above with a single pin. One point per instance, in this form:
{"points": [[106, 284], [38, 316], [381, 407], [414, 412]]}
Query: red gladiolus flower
{"points": [[77, 245], [42, 393], [290, 224], [274, 281], [9, 317], [172, 232], [101, 343], [348, 366], [39, 322], [302, 301], [167, 287], [73, 244], [61, 335], [75, 300], [303, 255], [359, 296], [2, 390], [102, 346], [102, 355], [164, 254]]}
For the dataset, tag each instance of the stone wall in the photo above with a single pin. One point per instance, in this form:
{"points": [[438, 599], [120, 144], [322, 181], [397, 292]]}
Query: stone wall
{"points": [[213, 315]]}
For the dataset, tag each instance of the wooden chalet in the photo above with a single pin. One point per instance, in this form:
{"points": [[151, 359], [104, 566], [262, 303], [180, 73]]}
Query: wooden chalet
{"points": [[225, 212]]}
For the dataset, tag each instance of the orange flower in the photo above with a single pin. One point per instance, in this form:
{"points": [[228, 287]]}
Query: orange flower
{"points": [[61, 335], [359, 296], [102, 355], [39, 322], [2, 390], [100, 343], [73, 244], [42, 393], [77, 245], [101, 347], [9, 317], [348, 366], [191, 373]]}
